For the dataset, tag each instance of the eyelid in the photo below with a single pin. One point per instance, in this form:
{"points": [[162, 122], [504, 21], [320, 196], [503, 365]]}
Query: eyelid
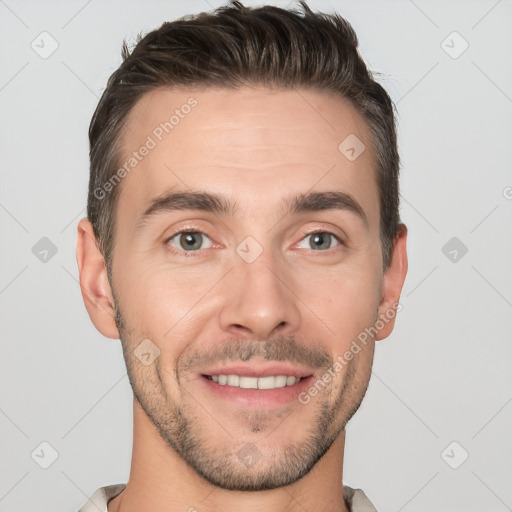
{"points": [[193, 229], [182, 230], [312, 231]]}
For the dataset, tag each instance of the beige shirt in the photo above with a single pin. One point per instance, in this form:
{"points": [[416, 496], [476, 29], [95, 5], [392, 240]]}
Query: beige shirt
{"points": [[355, 498]]}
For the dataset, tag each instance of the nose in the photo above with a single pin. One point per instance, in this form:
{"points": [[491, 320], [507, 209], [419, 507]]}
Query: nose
{"points": [[259, 299]]}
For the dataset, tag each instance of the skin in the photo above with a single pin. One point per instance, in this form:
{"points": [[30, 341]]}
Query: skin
{"points": [[255, 146]]}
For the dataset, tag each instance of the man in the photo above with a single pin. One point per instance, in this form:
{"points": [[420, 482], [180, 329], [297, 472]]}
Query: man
{"points": [[243, 242]]}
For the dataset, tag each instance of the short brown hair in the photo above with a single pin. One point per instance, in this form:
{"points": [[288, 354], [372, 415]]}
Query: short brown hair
{"points": [[233, 46]]}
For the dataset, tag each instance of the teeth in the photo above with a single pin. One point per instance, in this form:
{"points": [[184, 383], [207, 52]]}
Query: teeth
{"points": [[248, 382], [267, 382], [233, 380], [271, 382]]}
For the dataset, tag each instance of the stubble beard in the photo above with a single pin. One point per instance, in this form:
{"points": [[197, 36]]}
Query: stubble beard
{"points": [[276, 466]]}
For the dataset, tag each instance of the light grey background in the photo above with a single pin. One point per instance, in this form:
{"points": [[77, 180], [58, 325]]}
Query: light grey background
{"points": [[444, 375]]}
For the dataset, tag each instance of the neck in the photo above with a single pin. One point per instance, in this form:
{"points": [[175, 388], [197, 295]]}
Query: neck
{"points": [[161, 481]]}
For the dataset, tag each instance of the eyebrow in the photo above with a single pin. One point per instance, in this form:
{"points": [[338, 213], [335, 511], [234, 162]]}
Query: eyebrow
{"points": [[219, 204]]}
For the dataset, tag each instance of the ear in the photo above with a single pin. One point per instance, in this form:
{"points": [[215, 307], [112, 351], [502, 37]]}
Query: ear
{"points": [[394, 278], [94, 283]]}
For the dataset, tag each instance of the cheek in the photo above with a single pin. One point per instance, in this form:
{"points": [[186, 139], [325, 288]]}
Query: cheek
{"points": [[347, 302], [164, 305], [155, 293]]}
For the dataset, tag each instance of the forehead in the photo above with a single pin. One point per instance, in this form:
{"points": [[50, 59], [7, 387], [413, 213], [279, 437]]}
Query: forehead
{"points": [[256, 143]]}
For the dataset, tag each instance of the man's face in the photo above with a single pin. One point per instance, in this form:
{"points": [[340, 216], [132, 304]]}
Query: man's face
{"points": [[253, 293]]}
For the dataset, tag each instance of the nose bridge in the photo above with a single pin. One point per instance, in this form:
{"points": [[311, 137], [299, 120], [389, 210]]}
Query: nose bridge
{"points": [[258, 299]]}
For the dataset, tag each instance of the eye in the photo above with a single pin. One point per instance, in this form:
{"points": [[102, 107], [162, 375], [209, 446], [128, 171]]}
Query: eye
{"points": [[187, 240], [322, 240]]}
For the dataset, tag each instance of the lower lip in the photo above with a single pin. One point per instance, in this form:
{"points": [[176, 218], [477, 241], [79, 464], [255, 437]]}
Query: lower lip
{"points": [[258, 397]]}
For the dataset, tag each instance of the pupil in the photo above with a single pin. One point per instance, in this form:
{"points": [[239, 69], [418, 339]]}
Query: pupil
{"points": [[319, 238], [191, 240]]}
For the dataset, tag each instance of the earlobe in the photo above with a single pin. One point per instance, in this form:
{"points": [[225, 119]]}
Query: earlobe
{"points": [[394, 278], [94, 284]]}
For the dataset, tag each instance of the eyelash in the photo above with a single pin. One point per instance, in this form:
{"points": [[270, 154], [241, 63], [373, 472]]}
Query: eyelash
{"points": [[194, 230]]}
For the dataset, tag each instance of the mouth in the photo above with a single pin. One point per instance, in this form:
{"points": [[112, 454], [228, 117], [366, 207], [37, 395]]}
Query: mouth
{"points": [[247, 382], [256, 386]]}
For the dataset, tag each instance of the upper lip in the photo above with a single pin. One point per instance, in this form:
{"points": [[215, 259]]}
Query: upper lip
{"points": [[259, 370]]}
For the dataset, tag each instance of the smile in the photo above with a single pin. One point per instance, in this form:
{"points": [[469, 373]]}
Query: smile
{"points": [[245, 382]]}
